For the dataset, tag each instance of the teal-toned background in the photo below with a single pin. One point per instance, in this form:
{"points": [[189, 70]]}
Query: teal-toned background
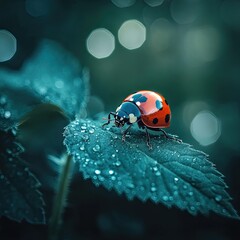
{"points": [[178, 66]]}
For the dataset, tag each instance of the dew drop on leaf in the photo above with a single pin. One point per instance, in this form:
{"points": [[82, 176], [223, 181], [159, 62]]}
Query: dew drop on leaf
{"points": [[218, 198], [82, 148], [165, 198], [96, 148], [7, 114], [91, 130], [153, 189], [118, 163], [97, 172]]}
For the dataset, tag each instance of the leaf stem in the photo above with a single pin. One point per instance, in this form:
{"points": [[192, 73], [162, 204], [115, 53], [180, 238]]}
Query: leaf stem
{"points": [[60, 199]]}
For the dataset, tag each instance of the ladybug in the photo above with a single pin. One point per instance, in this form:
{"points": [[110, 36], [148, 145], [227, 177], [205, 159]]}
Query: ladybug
{"points": [[148, 109]]}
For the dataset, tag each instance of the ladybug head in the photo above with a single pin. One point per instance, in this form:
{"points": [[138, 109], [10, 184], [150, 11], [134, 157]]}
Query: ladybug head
{"points": [[128, 113]]}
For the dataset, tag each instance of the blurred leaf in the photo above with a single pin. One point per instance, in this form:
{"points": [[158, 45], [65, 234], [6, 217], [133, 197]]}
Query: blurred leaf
{"points": [[51, 75], [172, 173], [20, 197], [14, 103]]}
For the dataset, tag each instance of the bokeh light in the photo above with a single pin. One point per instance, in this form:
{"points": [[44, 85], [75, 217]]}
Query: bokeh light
{"points": [[123, 3], [132, 34], [185, 11], [100, 43], [37, 8], [154, 3], [203, 44], [205, 128], [8, 45]]}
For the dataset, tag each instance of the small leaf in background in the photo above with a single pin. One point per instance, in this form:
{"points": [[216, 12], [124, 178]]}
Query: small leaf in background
{"points": [[19, 189], [172, 173], [52, 75]]}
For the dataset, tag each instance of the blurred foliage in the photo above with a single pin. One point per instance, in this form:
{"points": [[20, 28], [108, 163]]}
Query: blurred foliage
{"points": [[20, 196]]}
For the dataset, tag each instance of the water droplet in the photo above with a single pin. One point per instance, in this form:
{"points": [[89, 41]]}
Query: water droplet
{"points": [[165, 198], [155, 168], [101, 178], [192, 208], [42, 90], [218, 198], [153, 189], [111, 172], [158, 173], [113, 155], [9, 151], [97, 172], [113, 178], [83, 127], [190, 193], [82, 148], [96, 148], [85, 137], [176, 179], [91, 130], [7, 114], [118, 163], [116, 150]]}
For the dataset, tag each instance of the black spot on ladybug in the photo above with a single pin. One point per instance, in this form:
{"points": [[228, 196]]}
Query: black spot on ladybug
{"points": [[159, 105], [167, 118], [139, 98], [155, 121], [166, 102]]}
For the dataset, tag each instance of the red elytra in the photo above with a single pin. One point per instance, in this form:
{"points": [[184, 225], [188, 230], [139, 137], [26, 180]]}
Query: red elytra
{"points": [[155, 111]]}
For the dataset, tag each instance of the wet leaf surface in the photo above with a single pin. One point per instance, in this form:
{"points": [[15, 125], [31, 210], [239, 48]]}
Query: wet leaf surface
{"points": [[51, 75], [172, 173], [19, 189]]}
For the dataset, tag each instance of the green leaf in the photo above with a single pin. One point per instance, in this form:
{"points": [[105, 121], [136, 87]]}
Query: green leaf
{"points": [[51, 75], [173, 173], [19, 189]]}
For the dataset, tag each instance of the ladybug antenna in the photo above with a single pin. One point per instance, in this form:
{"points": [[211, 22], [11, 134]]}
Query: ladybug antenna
{"points": [[107, 119]]}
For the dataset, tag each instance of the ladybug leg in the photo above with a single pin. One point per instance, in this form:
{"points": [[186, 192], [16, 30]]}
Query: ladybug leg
{"points": [[169, 137], [109, 118], [148, 139], [125, 133]]}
